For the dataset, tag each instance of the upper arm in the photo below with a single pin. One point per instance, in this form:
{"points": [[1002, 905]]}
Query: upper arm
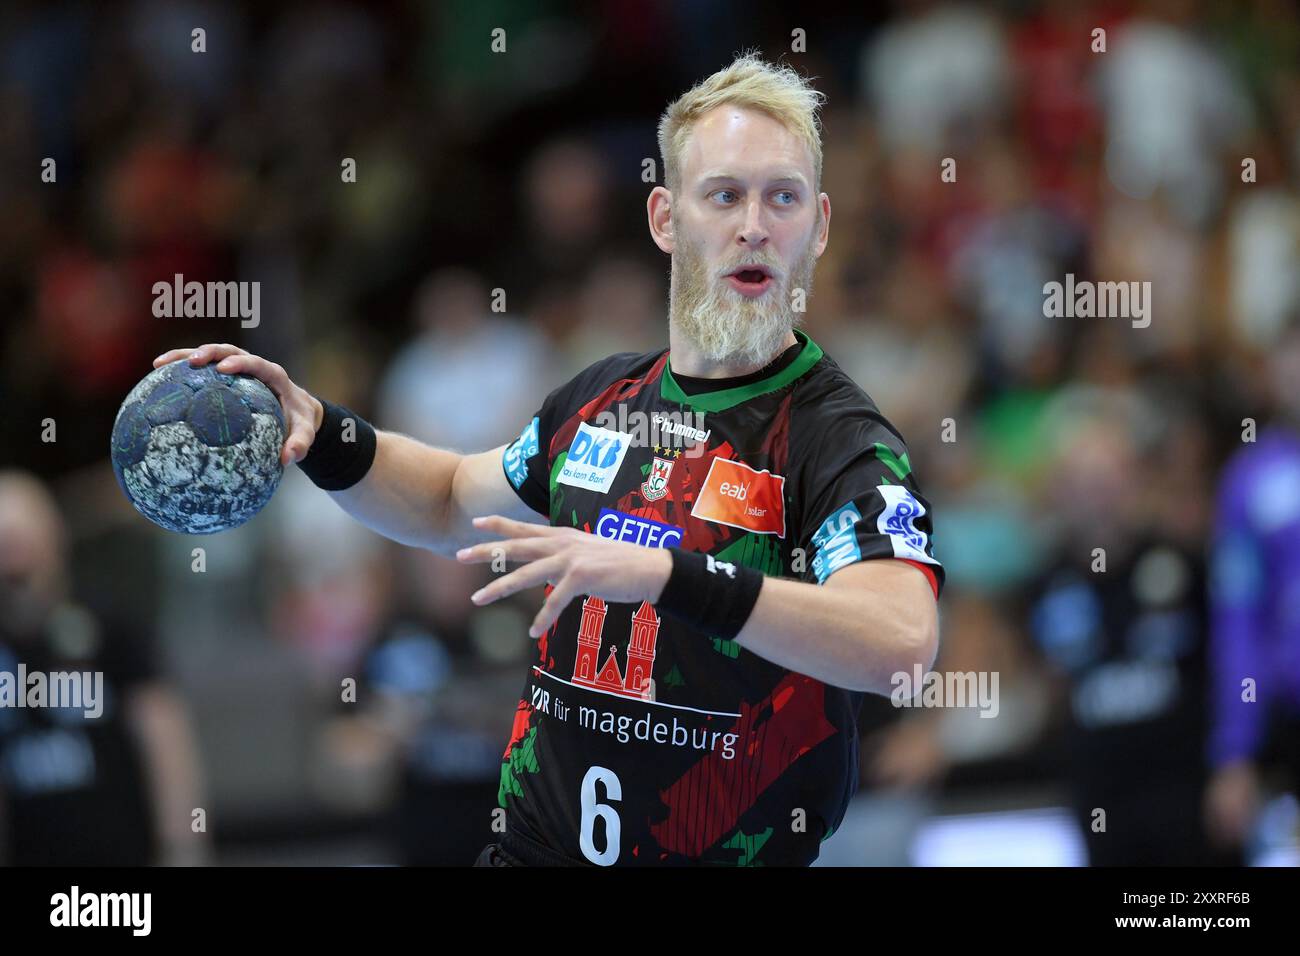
{"points": [[904, 589], [480, 487], [907, 577]]}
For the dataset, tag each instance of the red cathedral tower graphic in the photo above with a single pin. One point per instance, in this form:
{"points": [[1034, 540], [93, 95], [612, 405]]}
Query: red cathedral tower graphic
{"points": [[640, 652]]}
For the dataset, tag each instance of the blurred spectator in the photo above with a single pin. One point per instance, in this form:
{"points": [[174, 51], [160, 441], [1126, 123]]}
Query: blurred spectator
{"points": [[436, 387], [566, 194], [76, 788], [1119, 615], [1264, 264], [620, 309], [930, 74], [1256, 616], [1173, 108]]}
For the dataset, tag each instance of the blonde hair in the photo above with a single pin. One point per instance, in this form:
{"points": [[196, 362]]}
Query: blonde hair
{"points": [[749, 81]]}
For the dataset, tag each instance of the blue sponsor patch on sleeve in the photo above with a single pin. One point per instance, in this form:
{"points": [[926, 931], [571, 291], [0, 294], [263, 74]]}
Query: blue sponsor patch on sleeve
{"points": [[517, 453], [898, 521], [836, 542]]}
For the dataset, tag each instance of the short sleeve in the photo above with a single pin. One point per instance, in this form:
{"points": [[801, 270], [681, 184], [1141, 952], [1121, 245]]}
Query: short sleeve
{"points": [[863, 503], [525, 465], [526, 460]]}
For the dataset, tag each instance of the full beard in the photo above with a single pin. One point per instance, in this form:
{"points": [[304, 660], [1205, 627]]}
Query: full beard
{"points": [[724, 326]]}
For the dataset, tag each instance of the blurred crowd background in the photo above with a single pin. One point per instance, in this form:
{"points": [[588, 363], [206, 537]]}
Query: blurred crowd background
{"points": [[522, 171]]}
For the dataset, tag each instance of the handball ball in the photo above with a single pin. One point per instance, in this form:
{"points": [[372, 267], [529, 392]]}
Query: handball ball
{"points": [[196, 450]]}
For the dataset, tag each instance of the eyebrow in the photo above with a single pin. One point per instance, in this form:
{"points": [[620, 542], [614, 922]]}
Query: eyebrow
{"points": [[789, 176]]}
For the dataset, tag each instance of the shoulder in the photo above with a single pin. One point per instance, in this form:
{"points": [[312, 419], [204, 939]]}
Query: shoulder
{"points": [[600, 375], [619, 367], [615, 378], [831, 414]]}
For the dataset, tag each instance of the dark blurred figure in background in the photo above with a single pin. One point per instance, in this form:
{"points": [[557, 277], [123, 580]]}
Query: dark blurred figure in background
{"points": [[117, 788], [1120, 617], [427, 726]]}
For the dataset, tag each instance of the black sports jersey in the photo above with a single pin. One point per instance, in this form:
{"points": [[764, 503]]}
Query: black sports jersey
{"points": [[639, 740]]}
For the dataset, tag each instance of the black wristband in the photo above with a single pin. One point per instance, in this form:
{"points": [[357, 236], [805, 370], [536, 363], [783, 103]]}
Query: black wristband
{"points": [[333, 463], [714, 596]]}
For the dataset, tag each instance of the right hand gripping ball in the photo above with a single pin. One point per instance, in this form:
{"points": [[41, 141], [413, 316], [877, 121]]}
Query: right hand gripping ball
{"points": [[196, 450]]}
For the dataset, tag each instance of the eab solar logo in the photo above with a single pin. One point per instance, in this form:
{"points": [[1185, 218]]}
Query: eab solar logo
{"points": [[594, 458]]}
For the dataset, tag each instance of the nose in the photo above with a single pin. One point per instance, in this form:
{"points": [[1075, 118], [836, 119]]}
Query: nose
{"points": [[753, 231]]}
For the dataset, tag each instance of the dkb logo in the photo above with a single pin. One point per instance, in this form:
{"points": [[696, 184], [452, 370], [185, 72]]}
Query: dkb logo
{"points": [[594, 457], [587, 450]]}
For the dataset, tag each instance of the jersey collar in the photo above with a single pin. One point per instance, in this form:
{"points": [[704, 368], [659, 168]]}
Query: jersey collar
{"points": [[729, 397]]}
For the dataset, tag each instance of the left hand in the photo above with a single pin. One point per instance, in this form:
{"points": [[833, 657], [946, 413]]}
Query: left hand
{"points": [[573, 561]]}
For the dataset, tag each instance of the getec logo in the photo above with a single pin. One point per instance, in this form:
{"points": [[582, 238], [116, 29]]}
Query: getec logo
{"points": [[621, 526], [594, 458]]}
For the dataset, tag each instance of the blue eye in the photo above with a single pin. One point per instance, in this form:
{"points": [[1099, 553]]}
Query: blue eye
{"points": [[720, 191], [787, 192]]}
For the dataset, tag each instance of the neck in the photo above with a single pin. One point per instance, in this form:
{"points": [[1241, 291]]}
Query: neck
{"points": [[687, 359]]}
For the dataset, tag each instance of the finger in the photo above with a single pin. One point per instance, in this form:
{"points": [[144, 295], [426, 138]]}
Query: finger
{"points": [[244, 363], [301, 425], [559, 598], [513, 549], [510, 528], [172, 355], [213, 353], [270, 374], [530, 575], [298, 443]]}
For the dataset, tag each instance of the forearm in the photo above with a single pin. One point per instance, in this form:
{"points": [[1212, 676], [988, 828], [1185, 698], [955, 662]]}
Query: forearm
{"points": [[855, 637], [407, 494]]}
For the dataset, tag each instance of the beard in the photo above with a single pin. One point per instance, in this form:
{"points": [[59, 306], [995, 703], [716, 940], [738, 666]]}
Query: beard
{"points": [[723, 325]]}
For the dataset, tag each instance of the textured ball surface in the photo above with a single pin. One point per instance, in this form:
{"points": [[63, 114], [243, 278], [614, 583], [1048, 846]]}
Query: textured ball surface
{"points": [[196, 450]]}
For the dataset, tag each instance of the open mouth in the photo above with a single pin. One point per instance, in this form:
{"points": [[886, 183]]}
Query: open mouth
{"points": [[750, 280]]}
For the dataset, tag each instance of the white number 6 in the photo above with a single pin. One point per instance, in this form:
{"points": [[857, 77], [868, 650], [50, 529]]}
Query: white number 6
{"points": [[591, 810]]}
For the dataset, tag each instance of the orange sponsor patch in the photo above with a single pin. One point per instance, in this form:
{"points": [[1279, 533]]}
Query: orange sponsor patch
{"points": [[735, 494]]}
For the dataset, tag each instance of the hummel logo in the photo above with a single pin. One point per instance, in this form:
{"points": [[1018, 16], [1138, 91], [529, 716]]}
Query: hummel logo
{"points": [[716, 566]]}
